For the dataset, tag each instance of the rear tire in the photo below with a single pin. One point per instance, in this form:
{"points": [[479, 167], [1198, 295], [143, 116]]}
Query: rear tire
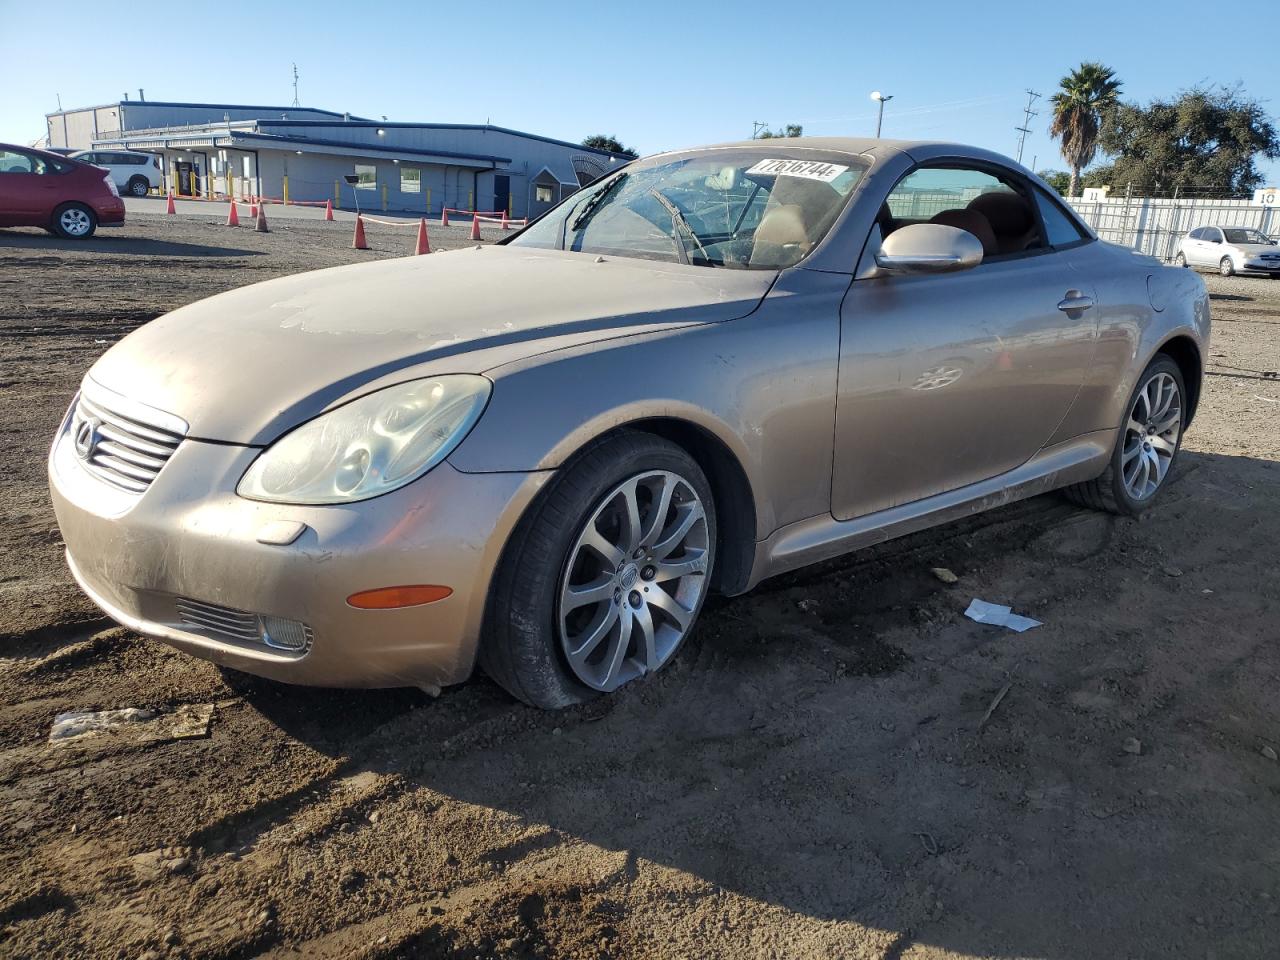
{"points": [[1226, 267], [1151, 431], [139, 186], [74, 221], [650, 592]]}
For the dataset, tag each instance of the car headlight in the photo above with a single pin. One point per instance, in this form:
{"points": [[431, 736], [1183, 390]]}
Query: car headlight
{"points": [[369, 446]]}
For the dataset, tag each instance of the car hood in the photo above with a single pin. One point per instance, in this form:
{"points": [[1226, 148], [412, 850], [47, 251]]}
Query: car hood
{"points": [[1253, 249], [245, 366]]}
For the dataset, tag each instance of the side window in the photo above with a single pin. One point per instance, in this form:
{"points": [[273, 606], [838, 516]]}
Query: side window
{"points": [[970, 199], [13, 162], [1213, 234], [1196, 234], [1060, 230]]}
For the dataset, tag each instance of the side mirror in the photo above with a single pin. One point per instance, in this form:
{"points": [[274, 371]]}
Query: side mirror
{"points": [[928, 248]]}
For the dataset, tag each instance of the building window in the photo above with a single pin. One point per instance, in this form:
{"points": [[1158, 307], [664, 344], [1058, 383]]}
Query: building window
{"points": [[544, 194], [366, 176], [410, 180]]}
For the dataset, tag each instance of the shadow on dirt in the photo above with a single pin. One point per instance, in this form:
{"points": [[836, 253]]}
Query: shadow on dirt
{"points": [[36, 239]]}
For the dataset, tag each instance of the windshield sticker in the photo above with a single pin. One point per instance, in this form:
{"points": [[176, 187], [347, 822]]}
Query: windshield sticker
{"points": [[807, 169]]}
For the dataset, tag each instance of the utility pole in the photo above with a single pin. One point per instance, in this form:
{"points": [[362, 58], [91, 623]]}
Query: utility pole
{"points": [[295, 86], [756, 127], [1027, 114]]}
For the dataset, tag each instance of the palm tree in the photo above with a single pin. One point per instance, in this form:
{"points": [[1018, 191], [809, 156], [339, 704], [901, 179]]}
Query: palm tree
{"points": [[1084, 95]]}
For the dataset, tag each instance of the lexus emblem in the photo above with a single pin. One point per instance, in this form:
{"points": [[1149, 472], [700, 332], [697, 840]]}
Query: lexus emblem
{"points": [[87, 437]]}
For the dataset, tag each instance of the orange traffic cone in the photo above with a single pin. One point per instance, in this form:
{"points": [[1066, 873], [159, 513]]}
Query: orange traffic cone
{"points": [[233, 218], [444, 216], [253, 211], [328, 209], [358, 241], [423, 245], [505, 224], [170, 208], [475, 227], [261, 224]]}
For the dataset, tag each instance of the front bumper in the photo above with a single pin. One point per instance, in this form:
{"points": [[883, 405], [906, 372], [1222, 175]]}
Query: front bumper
{"points": [[188, 537]]}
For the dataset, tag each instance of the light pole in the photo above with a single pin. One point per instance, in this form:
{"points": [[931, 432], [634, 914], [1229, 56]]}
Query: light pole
{"points": [[882, 98]]}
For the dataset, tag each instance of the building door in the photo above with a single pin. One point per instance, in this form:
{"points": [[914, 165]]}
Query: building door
{"points": [[501, 193], [183, 169]]}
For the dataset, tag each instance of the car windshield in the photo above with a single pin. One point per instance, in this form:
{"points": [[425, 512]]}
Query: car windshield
{"points": [[1245, 235], [752, 209]]}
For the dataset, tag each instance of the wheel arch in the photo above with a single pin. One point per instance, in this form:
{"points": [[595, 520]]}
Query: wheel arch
{"points": [[1184, 351]]}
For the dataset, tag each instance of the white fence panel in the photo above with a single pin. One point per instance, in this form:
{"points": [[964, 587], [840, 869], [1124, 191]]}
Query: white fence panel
{"points": [[1154, 226]]}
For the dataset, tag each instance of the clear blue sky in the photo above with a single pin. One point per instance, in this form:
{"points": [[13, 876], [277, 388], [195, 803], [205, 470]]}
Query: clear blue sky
{"points": [[656, 74]]}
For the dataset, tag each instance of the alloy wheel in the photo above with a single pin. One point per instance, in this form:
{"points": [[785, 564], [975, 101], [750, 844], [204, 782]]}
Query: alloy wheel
{"points": [[1151, 436], [1179, 261], [633, 580], [74, 221], [139, 187], [1226, 267]]}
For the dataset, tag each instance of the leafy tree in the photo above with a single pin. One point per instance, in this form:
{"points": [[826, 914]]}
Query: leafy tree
{"points": [[1208, 139], [1060, 180], [599, 141], [790, 130], [1084, 96]]}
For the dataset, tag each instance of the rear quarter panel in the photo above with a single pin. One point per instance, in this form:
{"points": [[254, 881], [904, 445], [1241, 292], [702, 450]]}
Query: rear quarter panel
{"points": [[1131, 330]]}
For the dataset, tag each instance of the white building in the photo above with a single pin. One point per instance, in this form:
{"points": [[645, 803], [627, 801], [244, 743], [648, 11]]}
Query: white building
{"points": [[218, 150]]}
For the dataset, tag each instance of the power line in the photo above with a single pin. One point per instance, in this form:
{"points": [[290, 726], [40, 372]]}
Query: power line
{"points": [[1027, 114], [756, 127]]}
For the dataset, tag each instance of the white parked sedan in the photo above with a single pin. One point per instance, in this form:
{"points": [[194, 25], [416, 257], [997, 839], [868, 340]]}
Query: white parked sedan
{"points": [[1230, 250], [133, 173]]}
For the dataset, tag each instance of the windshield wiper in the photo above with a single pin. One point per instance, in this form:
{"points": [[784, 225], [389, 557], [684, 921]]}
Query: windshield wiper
{"points": [[678, 222], [594, 203]]}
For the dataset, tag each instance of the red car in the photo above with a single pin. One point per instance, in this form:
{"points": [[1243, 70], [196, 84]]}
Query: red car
{"points": [[65, 196]]}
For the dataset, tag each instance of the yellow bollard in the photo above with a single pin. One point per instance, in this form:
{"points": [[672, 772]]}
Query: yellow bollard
{"points": [[428, 199], [511, 197], [471, 200], [384, 198], [337, 193], [285, 181], [191, 177]]}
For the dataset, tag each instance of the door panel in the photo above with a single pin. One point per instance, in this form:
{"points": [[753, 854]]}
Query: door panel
{"points": [[949, 379]]}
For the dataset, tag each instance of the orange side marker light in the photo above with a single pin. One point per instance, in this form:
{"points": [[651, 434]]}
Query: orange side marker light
{"points": [[392, 598]]}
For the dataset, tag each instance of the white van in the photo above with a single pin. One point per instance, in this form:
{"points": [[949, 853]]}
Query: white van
{"points": [[133, 173]]}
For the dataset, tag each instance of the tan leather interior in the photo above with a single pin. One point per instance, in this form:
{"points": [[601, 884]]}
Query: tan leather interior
{"points": [[782, 226], [1010, 217], [973, 222]]}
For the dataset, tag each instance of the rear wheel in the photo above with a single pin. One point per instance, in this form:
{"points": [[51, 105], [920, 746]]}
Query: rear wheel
{"points": [[604, 579], [1179, 260], [1226, 267], [1146, 447], [139, 186], [74, 221]]}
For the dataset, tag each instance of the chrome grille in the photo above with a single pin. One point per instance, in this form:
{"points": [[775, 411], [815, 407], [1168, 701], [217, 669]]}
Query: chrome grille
{"points": [[239, 626], [123, 443]]}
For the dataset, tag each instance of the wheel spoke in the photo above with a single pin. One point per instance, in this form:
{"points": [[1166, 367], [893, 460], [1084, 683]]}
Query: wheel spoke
{"points": [[687, 515], [1130, 453], [659, 518], [694, 561], [579, 595], [619, 651], [670, 606], [1163, 445], [596, 634], [631, 517], [1170, 422], [611, 554], [646, 638], [1158, 465]]}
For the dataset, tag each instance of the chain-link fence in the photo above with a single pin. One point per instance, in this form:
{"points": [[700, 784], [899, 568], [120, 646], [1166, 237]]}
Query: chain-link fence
{"points": [[1154, 225]]}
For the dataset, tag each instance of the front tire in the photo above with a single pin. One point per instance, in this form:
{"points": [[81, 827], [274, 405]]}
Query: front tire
{"points": [[74, 221], [603, 580], [139, 186], [1179, 260], [1148, 443], [1226, 267]]}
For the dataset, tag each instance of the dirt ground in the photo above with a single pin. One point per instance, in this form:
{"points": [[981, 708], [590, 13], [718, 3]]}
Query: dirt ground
{"points": [[811, 778]]}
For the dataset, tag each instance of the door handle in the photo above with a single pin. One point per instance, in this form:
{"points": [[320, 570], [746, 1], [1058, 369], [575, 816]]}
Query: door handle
{"points": [[1075, 300]]}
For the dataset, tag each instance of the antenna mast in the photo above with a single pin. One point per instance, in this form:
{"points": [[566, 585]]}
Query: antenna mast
{"points": [[295, 86], [757, 127], [1027, 114]]}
